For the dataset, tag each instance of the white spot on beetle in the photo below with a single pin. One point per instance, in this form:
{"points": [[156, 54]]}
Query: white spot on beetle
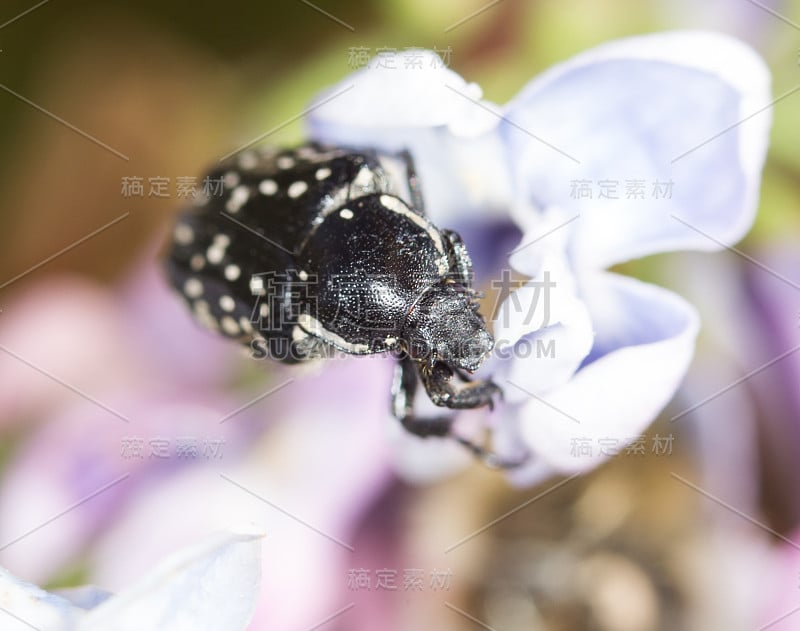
{"points": [[257, 286], [232, 272], [201, 305], [316, 328], [268, 187], [202, 313], [183, 234], [306, 152], [193, 288], [215, 254], [397, 205], [231, 179], [238, 198], [346, 213], [364, 182], [263, 310], [390, 341], [197, 262], [303, 275], [230, 326], [322, 173], [227, 303], [296, 189], [248, 160], [216, 251], [334, 200], [246, 325], [285, 162]]}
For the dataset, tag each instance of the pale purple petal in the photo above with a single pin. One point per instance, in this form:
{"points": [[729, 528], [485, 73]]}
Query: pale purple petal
{"points": [[209, 586], [644, 342], [778, 583], [63, 329], [663, 108], [404, 96], [426, 460], [97, 464], [436, 115], [25, 607], [322, 460], [542, 332], [84, 597]]}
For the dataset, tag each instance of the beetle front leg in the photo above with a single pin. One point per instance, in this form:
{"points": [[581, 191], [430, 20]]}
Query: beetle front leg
{"points": [[459, 259], [413, 181], [438, 381], [404, 388]]}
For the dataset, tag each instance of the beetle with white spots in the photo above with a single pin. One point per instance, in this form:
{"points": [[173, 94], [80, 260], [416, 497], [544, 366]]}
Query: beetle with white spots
{"points": [[323, 249]]}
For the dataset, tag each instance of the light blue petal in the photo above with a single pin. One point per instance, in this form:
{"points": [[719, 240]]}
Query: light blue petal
{"points": [[211, 585], [437, 116], [542, 331], [645, 339], [85, 596], [628, 118], [26, 606]]}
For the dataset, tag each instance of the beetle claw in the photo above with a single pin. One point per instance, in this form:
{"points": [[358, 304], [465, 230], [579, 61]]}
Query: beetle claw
{"points": [[490, 458]]}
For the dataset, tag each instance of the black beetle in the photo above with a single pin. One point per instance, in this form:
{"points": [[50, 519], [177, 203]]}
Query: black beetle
{"points": [[301, 252]]}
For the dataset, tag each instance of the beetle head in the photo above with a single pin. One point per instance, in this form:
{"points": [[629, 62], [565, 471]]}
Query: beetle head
{"points": [[445, 326]]}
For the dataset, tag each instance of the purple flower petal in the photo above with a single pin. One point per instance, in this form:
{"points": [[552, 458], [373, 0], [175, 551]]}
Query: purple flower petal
{"points": [[25, 606], [211, 585], [68, 328], [644, 341], [542, 332], [665, 122], [437, 116]]}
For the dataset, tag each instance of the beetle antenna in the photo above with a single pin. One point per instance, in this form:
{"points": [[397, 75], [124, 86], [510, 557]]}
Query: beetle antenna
{"points": [[490, 458]]}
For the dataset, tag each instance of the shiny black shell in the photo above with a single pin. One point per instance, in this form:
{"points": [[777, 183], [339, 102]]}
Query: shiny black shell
{"points": [[307, 249]]}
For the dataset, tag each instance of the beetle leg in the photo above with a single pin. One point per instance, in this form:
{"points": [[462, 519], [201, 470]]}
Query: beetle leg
{"points": [[438, 379], [463, 375], [403, 391], [413, 181], [460, 261], [491, 459]]}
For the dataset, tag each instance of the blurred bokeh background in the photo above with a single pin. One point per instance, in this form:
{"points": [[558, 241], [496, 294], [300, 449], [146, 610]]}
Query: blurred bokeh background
{"points": [[112, 452]]}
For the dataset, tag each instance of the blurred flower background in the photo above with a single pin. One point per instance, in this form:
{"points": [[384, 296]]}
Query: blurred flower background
{"points": [[127, 432]]}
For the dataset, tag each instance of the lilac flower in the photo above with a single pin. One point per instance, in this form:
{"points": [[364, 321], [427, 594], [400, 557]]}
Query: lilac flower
{"points": [[130, 503], [308, 481], [75, 330], [779, 611], [91, 454], [211, 585], [640, 146], [115, 424]]}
